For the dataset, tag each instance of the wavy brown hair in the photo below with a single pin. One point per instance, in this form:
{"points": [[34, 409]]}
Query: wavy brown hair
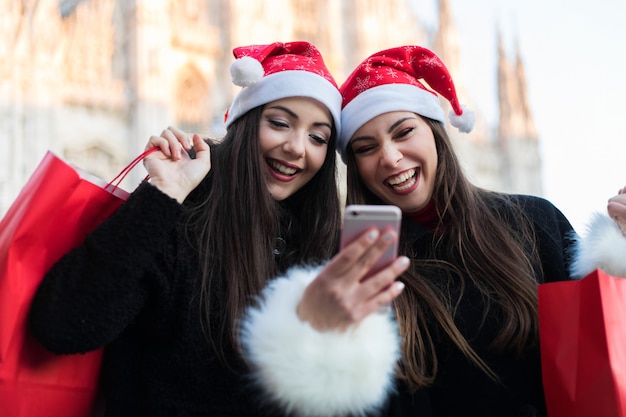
{"points": [[234, 224], [496, 254]]}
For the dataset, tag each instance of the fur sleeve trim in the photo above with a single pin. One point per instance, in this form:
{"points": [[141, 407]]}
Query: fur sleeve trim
{"points": [[603, 247], [311, 373]]}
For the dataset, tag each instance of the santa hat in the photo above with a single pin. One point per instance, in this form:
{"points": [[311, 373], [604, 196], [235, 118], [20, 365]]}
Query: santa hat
{"points": [[280, 70], [390, 81]]}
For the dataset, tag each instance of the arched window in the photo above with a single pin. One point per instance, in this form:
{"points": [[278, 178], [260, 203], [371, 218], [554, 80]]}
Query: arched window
{"points": [[192, 101]]}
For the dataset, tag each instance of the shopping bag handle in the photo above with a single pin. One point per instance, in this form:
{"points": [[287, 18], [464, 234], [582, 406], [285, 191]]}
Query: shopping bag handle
{"points": [[115, 182]]}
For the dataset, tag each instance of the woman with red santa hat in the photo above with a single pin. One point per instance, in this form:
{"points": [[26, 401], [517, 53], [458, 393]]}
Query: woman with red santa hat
{"points": [[468, 315]]}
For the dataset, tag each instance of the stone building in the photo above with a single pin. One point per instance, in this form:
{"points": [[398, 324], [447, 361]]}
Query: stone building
{"points": [[92, 80]]}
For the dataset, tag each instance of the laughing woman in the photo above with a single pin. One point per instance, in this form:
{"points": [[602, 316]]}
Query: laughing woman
{"points": [[468, 315]]}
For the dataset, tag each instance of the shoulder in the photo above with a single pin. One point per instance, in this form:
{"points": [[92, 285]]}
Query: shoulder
{"points": [[547, 222], [537, 210], [533, 203]]}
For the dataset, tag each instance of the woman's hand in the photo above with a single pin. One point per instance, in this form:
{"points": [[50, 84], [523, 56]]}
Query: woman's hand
{"points": [[340, 296], [617, 209], [172, 170]]}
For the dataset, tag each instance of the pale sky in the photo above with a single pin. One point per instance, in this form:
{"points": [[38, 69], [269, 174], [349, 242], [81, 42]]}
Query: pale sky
{"points": [[575, 61]]}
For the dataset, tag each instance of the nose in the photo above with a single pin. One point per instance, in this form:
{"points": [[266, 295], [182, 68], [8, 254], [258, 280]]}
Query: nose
{"points": [[295, 143], [390, 156]]}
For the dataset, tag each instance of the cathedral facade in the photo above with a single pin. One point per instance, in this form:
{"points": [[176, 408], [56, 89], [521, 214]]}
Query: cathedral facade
{"points": [[92, 80]]}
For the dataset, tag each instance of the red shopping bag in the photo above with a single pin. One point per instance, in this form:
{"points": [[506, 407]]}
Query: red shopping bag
{"points": [[52, 214], [582, 327]]}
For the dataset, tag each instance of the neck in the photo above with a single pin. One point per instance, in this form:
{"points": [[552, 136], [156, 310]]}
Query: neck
{"points": [[427, 216]]}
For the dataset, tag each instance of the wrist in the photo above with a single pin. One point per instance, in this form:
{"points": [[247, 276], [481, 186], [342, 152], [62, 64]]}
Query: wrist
{"points": [[173, 191]]}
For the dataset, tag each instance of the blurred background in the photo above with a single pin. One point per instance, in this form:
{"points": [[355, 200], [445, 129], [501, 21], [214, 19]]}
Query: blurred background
{"points": [[92, 80]]}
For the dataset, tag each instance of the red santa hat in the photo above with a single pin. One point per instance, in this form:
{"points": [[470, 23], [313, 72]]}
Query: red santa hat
{"points": [[280, 70], [390, 81]]}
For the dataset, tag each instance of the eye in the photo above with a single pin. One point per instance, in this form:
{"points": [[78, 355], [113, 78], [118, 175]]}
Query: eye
{"points": [[319, 139], [278, 123], [404, 133], [360, 150]]}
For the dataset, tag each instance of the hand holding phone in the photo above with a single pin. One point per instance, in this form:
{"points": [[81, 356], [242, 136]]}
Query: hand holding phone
{"points": [[359, 218], [340, 296]]}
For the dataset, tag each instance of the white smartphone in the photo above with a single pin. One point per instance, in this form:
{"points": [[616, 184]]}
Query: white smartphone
{"points": [[358, 218]]}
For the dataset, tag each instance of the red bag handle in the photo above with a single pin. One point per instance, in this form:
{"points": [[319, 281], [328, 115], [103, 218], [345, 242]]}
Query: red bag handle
{"points": [[115, 182]]}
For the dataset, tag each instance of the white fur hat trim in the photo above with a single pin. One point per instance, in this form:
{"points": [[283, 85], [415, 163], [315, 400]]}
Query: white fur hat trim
{"points": [[384, 99], [287, 84]]}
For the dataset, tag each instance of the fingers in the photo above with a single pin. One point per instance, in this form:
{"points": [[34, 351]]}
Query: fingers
{"points": [[357, 258], [381, 289], [340, 297], [344, 261], [384, 278], [617, 209], [203, 150], [617, 204], [173, 142], [345, 307]]}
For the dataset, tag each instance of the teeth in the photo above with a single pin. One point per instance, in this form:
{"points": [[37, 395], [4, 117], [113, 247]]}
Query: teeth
{"points": [[405, 186], [403, 177], [282, 168]]}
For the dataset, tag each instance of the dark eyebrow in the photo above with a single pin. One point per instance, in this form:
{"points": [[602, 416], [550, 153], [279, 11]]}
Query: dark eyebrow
{"points": [[391, 128], [295, 116], [286, 110], [398, 122]]}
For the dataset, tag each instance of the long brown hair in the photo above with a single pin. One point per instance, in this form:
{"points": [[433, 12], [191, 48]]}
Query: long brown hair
{"points": [[496, 254], [239, 230]]}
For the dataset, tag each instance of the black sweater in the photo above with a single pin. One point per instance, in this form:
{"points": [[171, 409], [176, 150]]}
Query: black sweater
{"points": [[133, 287], [461, 389]]}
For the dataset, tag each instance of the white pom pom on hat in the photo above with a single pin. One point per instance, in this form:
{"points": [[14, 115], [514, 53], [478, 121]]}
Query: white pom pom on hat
{"points": [[465, 121], [246, 71]]}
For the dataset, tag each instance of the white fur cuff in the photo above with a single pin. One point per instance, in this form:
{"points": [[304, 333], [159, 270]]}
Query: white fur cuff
{"points": [[311, 373], [604, 247]]}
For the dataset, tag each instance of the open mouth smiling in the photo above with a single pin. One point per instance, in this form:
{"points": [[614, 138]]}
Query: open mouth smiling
{"points": [[403, 181], [282, 169]]}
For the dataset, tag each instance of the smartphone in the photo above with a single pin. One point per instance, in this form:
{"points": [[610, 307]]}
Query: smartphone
{"points": [[359, 217]]}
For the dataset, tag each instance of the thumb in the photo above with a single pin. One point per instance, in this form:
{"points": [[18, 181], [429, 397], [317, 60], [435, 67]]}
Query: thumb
{"points": [[203, 150]]}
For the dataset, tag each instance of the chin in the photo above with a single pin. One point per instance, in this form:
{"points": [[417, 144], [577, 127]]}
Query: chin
{"points": [[278, 197], [410, 207], [280, 194]]}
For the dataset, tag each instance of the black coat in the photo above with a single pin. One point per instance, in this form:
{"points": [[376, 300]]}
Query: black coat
{"points": [[133, 287], [461, 389]]}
